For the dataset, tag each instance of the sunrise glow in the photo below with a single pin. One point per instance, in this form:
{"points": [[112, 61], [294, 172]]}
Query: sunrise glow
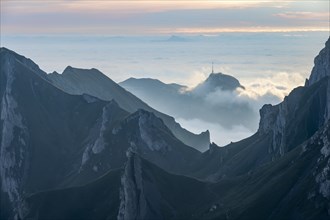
{"points": [[162, 17]]}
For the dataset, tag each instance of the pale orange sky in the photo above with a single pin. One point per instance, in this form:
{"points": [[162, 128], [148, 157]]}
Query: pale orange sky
{"points": [[161, 17]]}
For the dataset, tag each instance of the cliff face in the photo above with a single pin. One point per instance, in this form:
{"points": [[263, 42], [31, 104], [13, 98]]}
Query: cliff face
{"points": [[302, 112], [282, 128], [297, 118], [321, 65], [134, 192], [14, 139]]}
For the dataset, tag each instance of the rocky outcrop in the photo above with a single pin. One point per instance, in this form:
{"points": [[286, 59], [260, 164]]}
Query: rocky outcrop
{"points": [[148, 136], [321, 67], [14, 140], [323, 172], [268, 117], [217, 81], [133, 202], [302, 112]]}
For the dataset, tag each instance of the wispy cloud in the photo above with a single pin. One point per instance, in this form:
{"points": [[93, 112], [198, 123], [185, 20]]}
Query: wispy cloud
{"points": [[157, 17], [132, 6], [305, 15], [249, 29]]}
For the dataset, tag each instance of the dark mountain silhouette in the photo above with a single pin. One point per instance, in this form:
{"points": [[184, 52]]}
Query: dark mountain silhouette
{"points": [[53, 140], [91, 81]]}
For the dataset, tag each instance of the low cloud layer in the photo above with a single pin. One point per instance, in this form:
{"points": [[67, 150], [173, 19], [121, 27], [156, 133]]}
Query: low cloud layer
{"points": [[278, 84], [266, 90], [229, 115]]}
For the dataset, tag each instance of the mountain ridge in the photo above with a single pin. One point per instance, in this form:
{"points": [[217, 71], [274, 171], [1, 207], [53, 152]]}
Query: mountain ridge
{"points": [[214, 101], [42, 125], [280, 172], [321, 65], [93, 82]]}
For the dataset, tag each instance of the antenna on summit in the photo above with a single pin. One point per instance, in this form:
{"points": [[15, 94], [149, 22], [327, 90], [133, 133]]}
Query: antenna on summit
{"points": [[212, 68]]}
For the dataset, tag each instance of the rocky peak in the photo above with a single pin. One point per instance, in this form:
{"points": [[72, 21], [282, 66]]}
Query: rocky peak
{"points": [[132, 201], [268, 114], [297, 118], [218, 81], [302, 112], [11, 55], [138, 187], [148, 126], [223, 81], [321, 67], [74, 70]]}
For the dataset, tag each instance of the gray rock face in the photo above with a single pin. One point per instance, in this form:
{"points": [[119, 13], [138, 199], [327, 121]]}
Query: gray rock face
{"points": [[133, 202], [14, 139], [323, 172], [321, 67], [297, 118], [273, 120], [310, 104], [268, 115], [148, 136]]}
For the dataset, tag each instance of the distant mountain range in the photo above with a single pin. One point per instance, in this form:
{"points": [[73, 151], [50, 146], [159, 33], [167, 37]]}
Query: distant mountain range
{"points": [[93, 82], [214, 100], [66, 156]]}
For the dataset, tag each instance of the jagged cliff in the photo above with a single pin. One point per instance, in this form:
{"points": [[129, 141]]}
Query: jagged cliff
{"points": [[321, 67]]}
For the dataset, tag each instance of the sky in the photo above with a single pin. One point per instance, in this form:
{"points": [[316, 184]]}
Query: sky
{"points": [[161, 17]]}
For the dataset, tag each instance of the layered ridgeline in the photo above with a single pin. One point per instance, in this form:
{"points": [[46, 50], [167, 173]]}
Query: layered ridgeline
{"points": [[93, 82], [214, 100], [281, 172], [53, 140]]}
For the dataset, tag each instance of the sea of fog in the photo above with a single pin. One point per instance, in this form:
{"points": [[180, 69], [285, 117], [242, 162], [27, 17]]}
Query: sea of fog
{"points": [[265, 63]]}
